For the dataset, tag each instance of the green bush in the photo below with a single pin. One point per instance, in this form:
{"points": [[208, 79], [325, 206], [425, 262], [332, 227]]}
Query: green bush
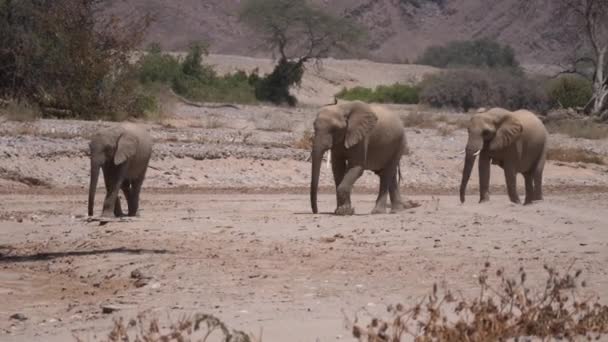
{"points": [[194, 80], [396, 93], [471, 53], [473, 88], [569, 91]]}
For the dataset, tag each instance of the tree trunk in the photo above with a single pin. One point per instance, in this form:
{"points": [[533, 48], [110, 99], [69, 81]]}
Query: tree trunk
{"points": [[600, 83]]}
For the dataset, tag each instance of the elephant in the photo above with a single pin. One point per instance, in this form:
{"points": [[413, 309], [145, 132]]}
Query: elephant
{"points": [[360, 137], [123, 153], [515, 141]]}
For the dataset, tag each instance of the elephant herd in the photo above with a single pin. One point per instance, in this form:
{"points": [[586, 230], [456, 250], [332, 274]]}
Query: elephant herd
{"points": [[360, 137]]}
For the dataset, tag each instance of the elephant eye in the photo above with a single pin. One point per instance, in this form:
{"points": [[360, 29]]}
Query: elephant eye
{"points": [[486, 133]]}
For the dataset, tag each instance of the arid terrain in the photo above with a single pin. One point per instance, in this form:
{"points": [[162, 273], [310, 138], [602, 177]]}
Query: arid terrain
{"points": [[397, 30], [226, 228]]}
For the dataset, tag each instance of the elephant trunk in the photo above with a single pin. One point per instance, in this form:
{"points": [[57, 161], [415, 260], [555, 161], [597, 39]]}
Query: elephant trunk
{"points": [[93, 185], [317, 156], [469, 161]]}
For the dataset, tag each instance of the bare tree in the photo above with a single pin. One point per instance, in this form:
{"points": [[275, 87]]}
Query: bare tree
{"points": [[587, 21]]}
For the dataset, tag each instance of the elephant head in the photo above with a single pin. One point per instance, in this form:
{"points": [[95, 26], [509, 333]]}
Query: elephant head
{"points": [[112, 145], [347, 124], [489, 131]]}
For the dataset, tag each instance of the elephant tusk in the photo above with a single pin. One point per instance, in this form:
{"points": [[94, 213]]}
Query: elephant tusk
{"points": [[328, 159], [476, 153]]}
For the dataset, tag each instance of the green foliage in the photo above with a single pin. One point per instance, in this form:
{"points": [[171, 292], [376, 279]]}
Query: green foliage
{"points": [[396, 93], [193, 79], [66, 58], [274, 87], [298, 31], [473, 53], [473, 88], [570, 91]]}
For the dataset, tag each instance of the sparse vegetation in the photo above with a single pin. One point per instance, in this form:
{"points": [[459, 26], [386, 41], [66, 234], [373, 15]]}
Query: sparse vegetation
{"points": [[191, 78], [575, 155], [473, 88], [67, 59], [505, 309], [569, 91], [396, 93], [471, 53], [305, 141], [585, 129], [199, 327], [274, 123]]}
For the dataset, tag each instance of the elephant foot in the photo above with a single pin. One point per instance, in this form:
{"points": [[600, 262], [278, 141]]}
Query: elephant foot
{"points": [[379, 210], [107, 214], [484, 200], [344, 211], [401, 206]]}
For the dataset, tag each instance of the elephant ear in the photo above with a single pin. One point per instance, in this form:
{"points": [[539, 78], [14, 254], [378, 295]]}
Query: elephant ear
{"points": [[361, 120], [127, 145], [509, 130]]}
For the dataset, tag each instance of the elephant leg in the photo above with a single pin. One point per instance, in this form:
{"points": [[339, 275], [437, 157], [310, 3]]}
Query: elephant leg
{"points": [[538, 179], [134, 199], [484, 177], [127, 190], [511, 180], [345, 188], [109, 174], [115, 179], [528, 177], [338, 166], [385, 180]]}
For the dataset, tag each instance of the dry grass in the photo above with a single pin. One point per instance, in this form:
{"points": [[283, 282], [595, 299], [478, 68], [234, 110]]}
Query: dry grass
{"points": [[443, 123], [585, 129], [200, 327], [505, 309], [274, 122], [305, 141], [575, 155], [20, 111]]}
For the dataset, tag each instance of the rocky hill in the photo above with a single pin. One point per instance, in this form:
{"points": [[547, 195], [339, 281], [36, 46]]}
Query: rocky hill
{"points": [[398, 30]]}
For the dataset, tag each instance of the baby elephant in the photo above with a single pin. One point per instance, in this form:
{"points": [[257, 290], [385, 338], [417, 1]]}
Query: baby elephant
{"points": [[123, 152], [515, 141]]}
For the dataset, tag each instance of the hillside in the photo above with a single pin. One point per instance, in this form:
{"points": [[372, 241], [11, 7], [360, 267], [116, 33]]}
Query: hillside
{"points": [[399, 30]]}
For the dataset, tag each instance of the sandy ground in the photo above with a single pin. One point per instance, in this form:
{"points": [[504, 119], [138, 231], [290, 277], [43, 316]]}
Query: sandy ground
{"points": [[264, 262], [225, 228]]}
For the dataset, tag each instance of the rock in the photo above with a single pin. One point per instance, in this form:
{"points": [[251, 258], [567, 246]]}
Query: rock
{"points": [[19, 317], [108, 309]]}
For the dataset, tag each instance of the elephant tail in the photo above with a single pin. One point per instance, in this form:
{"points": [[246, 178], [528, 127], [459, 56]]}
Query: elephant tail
{"points": [[399, 173]]}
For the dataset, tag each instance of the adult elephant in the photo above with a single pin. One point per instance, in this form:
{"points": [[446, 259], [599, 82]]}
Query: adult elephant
{"points": [[123, 153], [516, 141], [361, 137]]}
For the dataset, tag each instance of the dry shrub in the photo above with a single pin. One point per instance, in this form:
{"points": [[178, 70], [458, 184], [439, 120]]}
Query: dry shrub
{"points": [[214, 122], [575, 155], [305, 141], [473, 88], [274, 123], [585, 129], [199, 327], [507, 310], [20, 111]]}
